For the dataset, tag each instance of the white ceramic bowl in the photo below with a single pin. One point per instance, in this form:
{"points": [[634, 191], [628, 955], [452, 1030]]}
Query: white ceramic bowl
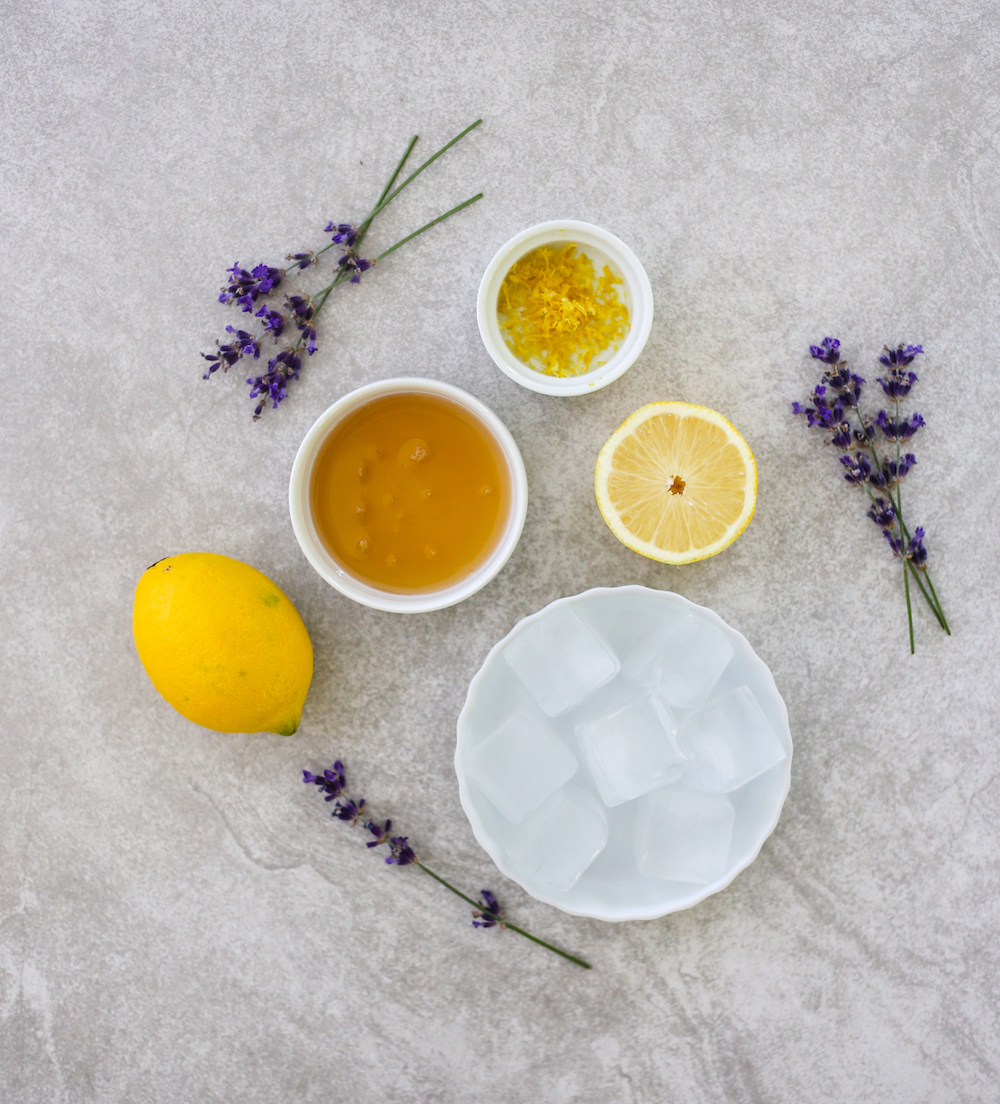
{"points": [[602, 248], [312, 545], [612, 888]]}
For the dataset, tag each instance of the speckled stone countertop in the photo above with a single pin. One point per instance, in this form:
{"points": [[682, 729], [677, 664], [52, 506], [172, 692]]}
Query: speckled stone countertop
{"points": [[179, 920]]}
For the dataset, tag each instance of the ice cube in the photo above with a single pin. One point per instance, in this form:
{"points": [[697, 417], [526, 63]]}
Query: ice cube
{"points": [[558, 841], [684, 665], [560, 661], [683, 836], [520, 764], [632, 750], [731, 742]]}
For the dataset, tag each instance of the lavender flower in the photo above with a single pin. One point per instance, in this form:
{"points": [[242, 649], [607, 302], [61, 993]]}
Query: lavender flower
{"points": [[859, 470], [402, 854], [302, 260], [304, 310], [487, 912], [842, 438], [895, 543], [882, 513], [828, 350], [273, 383], [899, 357], [343, 233], [246, 342], [246, 288], [349, 810], [895, 470], [273, 321], [902, 430], [331, 782], [834, 405], [225, 358], [915, 550], [823, 412], [380, 833], [351, 262]]}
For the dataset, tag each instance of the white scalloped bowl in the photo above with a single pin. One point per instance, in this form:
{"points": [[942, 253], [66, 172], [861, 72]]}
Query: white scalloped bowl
{"points": [[612, 888]]}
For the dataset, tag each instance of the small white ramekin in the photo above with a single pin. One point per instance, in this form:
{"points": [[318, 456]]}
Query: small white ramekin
{"points": [[313, 547], [602, 248]]}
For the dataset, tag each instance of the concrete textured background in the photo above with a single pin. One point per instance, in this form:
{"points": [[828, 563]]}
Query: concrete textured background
{"points": [[179, 919]]}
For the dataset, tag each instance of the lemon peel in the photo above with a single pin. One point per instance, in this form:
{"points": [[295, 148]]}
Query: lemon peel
{"points": [[222, 643]]}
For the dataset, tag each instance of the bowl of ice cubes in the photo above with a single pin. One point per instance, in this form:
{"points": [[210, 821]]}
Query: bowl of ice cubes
{"points": [[623, 753]]}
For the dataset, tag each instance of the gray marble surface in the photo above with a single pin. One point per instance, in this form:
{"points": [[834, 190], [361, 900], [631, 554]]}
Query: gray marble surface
{"points": [[179, 919]]}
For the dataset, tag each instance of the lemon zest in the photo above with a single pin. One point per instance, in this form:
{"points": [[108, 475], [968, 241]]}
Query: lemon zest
{"points": [[556, 314]]}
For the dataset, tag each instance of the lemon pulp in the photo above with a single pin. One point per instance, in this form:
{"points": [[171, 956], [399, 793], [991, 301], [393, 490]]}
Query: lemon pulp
{"points": [[676, 482]]}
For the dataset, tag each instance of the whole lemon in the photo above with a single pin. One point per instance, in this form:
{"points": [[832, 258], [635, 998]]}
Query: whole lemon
{"points": [[222, 644]]}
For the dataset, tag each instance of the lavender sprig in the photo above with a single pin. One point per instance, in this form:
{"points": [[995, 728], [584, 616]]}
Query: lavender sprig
{"points": [[487, 912], [247, 287], [833, 403]]}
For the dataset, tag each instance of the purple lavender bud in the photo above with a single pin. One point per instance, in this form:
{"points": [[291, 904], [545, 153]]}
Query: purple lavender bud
{"points": [[402, 853], [902, 430], [827, 351], [273, 321], [900, 356], [343, 233], [897, 384], [331, 782], [380, 832], [489, 914], [245, 342], [308, 331], [303, 260], [915, 551], [858, 470], [301, 306], [895, 543], [882, 513], [246, 288], [897, 471], [355, 264], [350, 810], [842, 438]]}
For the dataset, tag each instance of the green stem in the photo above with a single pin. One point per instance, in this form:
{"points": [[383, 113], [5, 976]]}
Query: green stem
{"points": [[909, 608], [386, 200], [363, 228], [899, 516], [503, 923], [427, 226]]}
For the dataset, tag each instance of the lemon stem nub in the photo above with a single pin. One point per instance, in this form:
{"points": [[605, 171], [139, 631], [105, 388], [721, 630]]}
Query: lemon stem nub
{"points": [[678, 485]]}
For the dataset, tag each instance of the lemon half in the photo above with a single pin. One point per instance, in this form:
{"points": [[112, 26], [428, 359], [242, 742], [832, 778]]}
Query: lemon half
{"points": [[222, 643], [676, 482]]}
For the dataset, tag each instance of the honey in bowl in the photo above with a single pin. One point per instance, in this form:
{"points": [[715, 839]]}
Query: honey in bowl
{"points": [[410, 492]]}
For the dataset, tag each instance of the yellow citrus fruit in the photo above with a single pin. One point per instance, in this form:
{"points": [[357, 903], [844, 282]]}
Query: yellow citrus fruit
{"points": [[222, 644], [676, 482]]}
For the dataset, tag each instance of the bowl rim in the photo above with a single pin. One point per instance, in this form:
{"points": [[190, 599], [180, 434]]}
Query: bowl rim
{"points": [[321, 560], [639, 287], [618, 912]]}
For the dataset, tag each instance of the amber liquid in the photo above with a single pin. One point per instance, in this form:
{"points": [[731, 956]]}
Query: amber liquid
{"points": [[410, 492]]}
